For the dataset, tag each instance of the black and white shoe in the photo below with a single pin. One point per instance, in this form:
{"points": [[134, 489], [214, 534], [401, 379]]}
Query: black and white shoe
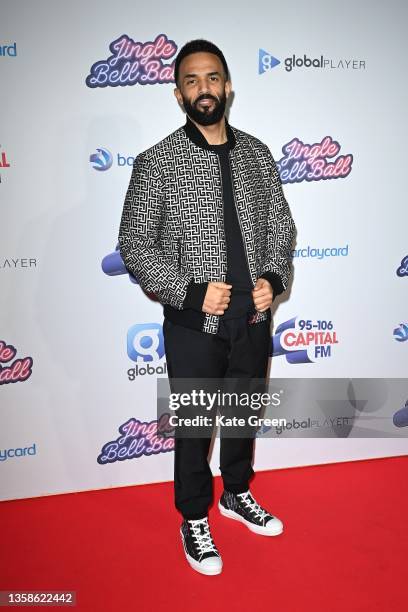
{"points": [[199, 548], [243, 507]]}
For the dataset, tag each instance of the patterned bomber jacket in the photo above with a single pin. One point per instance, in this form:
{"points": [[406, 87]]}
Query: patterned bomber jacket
{"points": [[171, 232]]}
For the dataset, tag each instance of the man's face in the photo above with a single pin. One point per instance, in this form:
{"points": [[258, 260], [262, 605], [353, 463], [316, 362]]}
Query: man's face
{"points": [[202, 88]]}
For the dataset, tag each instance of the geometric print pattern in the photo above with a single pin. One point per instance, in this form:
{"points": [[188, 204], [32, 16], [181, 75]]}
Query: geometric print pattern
{"points": [[172, 228]]}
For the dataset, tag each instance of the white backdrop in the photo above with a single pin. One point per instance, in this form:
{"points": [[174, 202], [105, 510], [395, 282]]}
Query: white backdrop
{"points": [[60, 217]]}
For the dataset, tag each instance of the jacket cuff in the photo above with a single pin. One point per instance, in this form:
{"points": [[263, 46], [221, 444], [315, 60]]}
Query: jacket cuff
{"points": [[195, 296], [275, 281]]}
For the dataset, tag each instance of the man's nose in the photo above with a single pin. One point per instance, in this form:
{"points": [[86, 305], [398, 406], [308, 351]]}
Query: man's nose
{"points": [[203, 87]]}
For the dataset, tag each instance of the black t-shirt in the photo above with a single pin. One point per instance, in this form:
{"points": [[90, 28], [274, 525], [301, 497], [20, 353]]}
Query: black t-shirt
{"points": [[237, 266]]}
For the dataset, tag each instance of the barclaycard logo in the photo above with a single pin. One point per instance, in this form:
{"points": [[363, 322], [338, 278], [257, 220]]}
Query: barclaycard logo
{"points": [[8, 50], [10, 453], [101, 160], [401, 332]]}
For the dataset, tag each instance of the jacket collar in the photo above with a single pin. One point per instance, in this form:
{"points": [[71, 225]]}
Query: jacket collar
{"points": [[194, 134]]}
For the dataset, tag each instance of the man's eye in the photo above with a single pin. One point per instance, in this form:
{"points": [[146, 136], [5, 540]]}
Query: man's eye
{"points": [[190, 81], [214, 78]]}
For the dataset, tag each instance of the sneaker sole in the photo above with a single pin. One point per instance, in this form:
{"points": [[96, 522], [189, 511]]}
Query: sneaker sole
{"points": [[196, 565], [237, 517]]}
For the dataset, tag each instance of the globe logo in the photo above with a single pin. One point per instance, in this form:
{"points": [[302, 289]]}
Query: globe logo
{"points": [[401, 332], [101, 160]]}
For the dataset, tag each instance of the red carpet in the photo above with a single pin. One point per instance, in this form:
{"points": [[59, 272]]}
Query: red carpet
{"points": [[344, 548]]}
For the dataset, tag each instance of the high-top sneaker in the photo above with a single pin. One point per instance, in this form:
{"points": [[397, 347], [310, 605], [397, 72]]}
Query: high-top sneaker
{"points": [[199, 548], [243, 507]]}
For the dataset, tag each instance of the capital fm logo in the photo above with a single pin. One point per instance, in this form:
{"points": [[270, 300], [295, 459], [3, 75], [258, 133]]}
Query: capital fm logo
{"points": [[15, 371], [113, 265], [401, 332], [133, 62], [402, 270], [266, 61], [138, 439], [101, 160], [304, 341], [145, 346], [309, 162]]}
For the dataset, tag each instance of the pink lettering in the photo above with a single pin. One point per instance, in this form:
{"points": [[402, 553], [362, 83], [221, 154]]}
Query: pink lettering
{"points": [[309, 162], [7, 352], [19, 371]]}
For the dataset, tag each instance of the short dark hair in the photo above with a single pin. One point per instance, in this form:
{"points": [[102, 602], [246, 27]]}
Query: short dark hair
{"points": [[196, 46]]}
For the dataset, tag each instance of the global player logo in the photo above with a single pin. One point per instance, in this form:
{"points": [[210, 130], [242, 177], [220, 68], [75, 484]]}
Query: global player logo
{"points": [[305, 341], [309, 162], [145, 346], [101, 160], [266, 61]]}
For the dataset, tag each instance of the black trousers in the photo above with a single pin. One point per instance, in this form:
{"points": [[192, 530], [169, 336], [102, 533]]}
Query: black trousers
{"points": [[238, 350]]}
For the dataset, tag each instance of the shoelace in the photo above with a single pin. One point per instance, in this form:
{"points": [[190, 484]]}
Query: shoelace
{"points": [[202, 536], [253, 506]]}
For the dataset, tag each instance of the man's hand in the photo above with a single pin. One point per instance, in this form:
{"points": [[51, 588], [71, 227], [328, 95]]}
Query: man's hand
{"points": [[262, 294], [217, 298]]}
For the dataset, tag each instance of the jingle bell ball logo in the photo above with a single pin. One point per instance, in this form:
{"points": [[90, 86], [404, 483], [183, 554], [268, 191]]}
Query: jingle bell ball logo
{"points": [[304, 341], [138, 439], [309, 162], [15, 371], [133, 62], [402, 269]]}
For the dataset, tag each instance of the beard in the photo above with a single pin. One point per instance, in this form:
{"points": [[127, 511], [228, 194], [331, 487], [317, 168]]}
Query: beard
{"points": [[206, 116]]}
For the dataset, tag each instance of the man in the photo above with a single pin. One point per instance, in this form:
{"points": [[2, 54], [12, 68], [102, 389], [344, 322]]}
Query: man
{"points": [[206, 228]]}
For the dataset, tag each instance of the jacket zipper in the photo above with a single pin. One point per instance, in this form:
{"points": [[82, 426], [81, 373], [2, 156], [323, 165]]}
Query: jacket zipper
{"points": [[239, 219], [222, 216]]}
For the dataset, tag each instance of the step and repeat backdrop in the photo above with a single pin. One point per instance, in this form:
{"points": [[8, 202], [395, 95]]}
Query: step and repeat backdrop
{"points": [[85, 87]]}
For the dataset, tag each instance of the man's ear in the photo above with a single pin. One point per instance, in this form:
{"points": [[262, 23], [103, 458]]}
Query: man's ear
{"points": [[178, 95], [228, 88]]}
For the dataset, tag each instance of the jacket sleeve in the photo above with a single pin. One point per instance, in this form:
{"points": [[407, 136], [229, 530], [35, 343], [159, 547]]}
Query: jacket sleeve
{"points": [[280, 233], [156, 271]]}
